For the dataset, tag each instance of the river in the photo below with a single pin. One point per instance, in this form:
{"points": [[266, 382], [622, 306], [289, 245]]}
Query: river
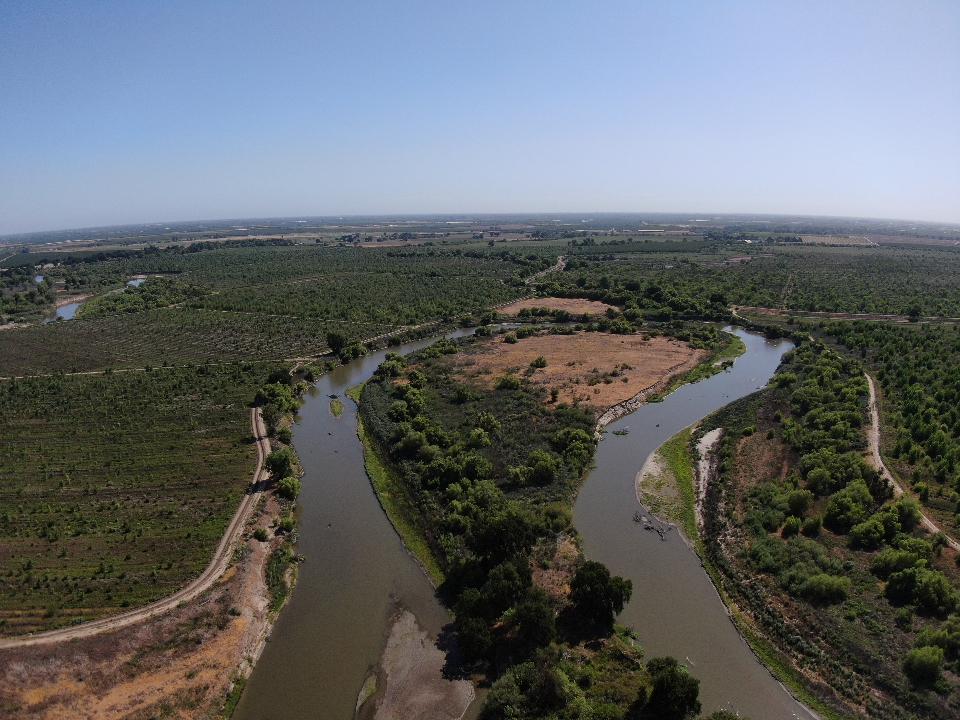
{"points": [[675, 609], [333, 630]]}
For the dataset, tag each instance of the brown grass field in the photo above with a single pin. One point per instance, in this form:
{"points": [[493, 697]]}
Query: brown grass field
{"points": [[598, 370], [574, 306]]}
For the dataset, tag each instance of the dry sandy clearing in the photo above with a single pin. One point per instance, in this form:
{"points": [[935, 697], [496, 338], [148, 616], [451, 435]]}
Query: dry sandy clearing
{"points": [[412, 672], [574, 306], [598, 370]]}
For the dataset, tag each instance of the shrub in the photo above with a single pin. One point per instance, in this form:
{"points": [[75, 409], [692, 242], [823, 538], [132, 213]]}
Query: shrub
{"points": [[285, 435], [289, 487], [791, 527], [824, 589], [260, 534], [544, 467], [946, 637], [811, 526], [929, 589], [934, 594], [508, 382], [848, 507], [280, 462], [540, 362], [890, 561], [799, 501], [922, 665]]}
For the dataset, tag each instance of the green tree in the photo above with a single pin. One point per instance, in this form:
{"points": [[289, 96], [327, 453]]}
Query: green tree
{"points": [[336, 341], [280, 462], [674, 694], [536, 621], [597, 596]]}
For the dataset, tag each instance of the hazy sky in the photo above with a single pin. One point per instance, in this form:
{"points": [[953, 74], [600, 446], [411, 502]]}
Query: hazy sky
{"points": [[134, 111]]}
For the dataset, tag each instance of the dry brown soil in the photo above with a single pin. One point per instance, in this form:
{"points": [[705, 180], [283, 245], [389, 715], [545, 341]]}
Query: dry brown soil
{"points": [[574, 306], [598, 370]]}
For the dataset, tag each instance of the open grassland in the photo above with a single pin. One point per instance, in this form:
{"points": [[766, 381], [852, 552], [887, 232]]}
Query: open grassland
{"points": [[594, 369], [574, 306], [115, 489]]}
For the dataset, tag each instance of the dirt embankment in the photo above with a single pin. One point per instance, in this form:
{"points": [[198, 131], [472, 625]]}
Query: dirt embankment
{"points": [[609, 373]]}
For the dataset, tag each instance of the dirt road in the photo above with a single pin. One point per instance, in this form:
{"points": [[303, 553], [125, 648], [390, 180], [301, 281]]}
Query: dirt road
{"points": [[559, 265], [823, 315], [216, 568], [873, 440]]}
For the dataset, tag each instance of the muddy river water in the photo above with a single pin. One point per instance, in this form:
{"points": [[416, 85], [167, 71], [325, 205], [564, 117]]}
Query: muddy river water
{"points": [[356, 573]]}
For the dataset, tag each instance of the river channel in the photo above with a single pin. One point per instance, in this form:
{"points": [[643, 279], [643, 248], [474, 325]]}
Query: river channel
{"points": [[333, 629]]}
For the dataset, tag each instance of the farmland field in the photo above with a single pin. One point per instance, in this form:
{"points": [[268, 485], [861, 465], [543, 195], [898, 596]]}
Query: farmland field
{"points": [[114, 489]]}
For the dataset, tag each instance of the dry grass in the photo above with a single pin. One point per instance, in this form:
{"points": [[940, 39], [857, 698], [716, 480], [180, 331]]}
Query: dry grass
{"points": [[555, 562], [574, 306], [598, 370]]}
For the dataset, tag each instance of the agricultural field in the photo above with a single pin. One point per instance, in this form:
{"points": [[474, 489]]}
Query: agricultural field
{"points": [[901, 280], [114, 489]]}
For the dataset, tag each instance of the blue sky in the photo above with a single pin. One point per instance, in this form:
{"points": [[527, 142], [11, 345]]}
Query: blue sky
{"points": [[138, 111]]}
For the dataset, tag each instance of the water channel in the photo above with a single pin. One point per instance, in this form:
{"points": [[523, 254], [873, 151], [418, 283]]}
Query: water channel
{"points": [[334, 627]]}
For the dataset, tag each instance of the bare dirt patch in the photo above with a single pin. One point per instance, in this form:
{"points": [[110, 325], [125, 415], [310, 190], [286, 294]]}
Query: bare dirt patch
{"points": [[598, 370], [574, 306], [555, 562], [178, 665]]}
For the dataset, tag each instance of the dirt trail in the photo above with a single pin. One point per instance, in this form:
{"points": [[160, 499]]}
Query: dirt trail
{"points": [[873, 440], [824, 315], [559, 265], [213, 571]]}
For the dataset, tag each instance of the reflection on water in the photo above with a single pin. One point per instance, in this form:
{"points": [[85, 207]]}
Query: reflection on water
{"points": [[68, 311]]}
